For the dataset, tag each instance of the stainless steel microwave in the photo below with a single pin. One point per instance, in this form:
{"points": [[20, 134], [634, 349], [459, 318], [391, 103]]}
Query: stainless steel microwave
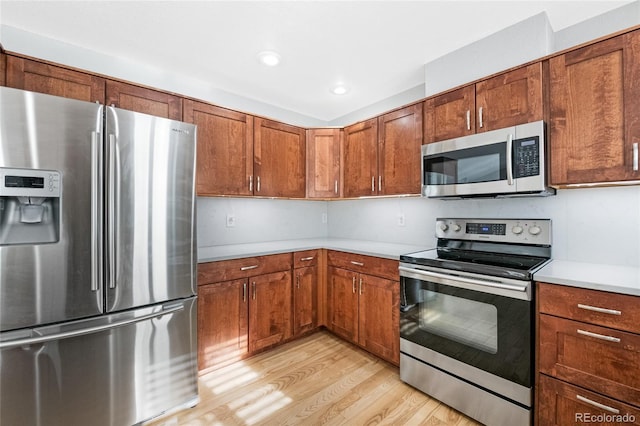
{"points": [[508, 162]]}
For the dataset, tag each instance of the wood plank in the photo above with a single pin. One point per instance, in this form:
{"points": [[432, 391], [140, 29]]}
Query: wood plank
{"points": [[319, 379]]}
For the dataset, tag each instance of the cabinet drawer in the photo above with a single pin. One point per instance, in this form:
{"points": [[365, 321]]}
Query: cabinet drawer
{"points": [[562, 404], [305, 258], [385, 268], [226, 270], [619, 311], [597, 358]]}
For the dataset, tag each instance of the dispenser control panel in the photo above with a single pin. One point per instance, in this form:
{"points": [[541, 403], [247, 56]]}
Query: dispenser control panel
{"points": [[29, 183]]}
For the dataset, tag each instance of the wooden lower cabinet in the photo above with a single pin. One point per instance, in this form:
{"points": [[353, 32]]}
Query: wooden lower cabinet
{"points": [[269, 310], [342, 303], [222, 323], [562, 404], [244, 314], [588, 356], [363, 308], [305, 299]]}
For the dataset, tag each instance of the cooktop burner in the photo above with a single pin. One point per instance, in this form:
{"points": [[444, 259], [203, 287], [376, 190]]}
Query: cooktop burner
{"points": [[497, 247]]}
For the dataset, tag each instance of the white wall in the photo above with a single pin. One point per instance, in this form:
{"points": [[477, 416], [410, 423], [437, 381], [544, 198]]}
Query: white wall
{"points": [[258, 220], [588, 224]]}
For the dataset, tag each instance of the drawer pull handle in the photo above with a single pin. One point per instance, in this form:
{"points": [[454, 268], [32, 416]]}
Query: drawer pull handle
{"points": [[247, 268], [600, 310], [353, 262], [597, 404], [306, 259], [599, 336]]}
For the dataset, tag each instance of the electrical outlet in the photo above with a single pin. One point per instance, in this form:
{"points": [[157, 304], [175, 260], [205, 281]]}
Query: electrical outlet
{"points": [[400, 219], [231, 220]]}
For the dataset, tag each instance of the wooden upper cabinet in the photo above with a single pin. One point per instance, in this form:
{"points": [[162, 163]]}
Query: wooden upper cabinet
{"points": [[323, 163], [225, 149], [595, 112], [399, 155], [3, 69], [512, 98], [360, 159], [26, 74], [279, 159], [450, 115], [141, 99]]}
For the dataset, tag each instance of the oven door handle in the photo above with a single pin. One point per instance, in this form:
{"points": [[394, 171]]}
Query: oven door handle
{"points": [[474, 281]]}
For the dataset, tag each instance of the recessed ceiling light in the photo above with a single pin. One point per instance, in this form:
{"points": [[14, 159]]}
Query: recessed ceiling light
{"points": [[339, 89], [269, 58]]}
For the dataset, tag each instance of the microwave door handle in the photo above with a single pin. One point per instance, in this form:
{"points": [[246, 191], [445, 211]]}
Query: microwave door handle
{"points": [[510, 159]]}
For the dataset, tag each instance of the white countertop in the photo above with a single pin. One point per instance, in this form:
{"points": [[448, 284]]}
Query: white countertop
{"points": [[370, 248], [613, 278]]}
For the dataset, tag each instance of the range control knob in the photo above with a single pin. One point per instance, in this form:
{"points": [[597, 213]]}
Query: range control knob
{"points": [[517, 229], [535, 230], [444, 227], [456, 227]]}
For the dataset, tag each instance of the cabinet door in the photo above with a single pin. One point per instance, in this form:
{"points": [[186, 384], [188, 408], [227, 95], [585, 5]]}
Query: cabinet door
{"points": [[360, 159], [399, 151], [3, 69], [379, 317], [450, 115], [53, 80], [594, 357], [141, 99], [279, 163], [509, 99], [222, 323], [561, 404], [342, 303], [594, 100], [225, 149], [269, 310], [305, 299], [323, 163]]}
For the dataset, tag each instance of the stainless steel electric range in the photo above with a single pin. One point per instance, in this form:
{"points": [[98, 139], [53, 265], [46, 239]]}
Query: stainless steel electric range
{"points": [[467, 316]]}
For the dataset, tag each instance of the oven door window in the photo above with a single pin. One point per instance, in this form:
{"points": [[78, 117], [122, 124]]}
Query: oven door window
{"points": [[486, 163], [487, 331], [465, 321]]}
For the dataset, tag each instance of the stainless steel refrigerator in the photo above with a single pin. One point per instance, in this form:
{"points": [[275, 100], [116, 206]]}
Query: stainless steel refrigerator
{"points": [[97, 263]]}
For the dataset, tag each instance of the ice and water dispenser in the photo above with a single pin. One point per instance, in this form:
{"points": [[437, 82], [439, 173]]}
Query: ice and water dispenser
{"points": [[29, 206]]}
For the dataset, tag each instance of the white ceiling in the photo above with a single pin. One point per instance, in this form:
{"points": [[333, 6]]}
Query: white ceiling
{"points": [[377, 48]]}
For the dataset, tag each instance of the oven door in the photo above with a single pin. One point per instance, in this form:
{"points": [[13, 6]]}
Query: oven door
{"points": [[473, 165], [474, 320]]}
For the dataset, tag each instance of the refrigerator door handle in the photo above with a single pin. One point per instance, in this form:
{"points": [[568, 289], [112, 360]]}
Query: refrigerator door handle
{"points": [[88, 330], [112, 223], [96, 209]]}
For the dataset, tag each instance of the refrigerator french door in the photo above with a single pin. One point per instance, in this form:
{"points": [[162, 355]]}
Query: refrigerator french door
{"points": [[97, 263]]}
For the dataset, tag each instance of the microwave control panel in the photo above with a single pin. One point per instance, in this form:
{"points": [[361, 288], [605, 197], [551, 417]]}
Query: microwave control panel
{"points": [[526, 157]]}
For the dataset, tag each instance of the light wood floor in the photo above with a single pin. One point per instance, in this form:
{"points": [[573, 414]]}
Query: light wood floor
{"points": [[319, 379]]}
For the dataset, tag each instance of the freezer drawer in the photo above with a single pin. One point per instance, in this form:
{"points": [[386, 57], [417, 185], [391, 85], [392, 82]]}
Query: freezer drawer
{"points": [[115, 370]]}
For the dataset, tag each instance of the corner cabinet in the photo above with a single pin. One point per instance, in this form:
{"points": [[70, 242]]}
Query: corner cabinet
{"points": [[382, 155], [363, 302], [324, 163], [588, 356], [594, 106], [35, 76], [279, 160], [225, 149], [511, 98]]}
